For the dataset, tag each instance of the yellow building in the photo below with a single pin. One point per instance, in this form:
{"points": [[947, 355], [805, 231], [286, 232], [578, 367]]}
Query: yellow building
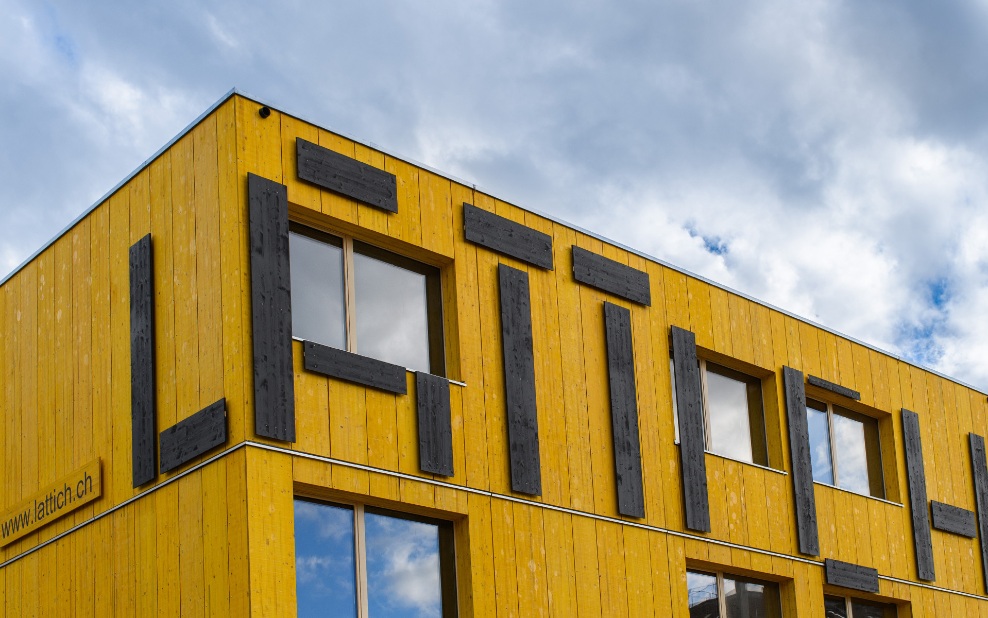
{"points": [[277, 372]]}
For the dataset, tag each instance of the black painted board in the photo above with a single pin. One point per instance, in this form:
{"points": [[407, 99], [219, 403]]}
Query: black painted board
{"points": [[847, 575], [916, 478], [435, 424], [610, 276], [271, 310], [979, 472], [689, 404], [355, 368], [186, 440], [519, 380], [953, 519], [506, 236], [624, 411], [802, 466], [142, 383], [834, 388], [341, 174]]}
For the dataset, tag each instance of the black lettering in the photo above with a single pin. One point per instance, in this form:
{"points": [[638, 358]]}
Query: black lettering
{"points": [[80, 489], [59, 500]]}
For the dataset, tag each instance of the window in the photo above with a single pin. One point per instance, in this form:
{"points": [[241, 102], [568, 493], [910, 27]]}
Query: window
{"points": [[844, 607], [356, 297], [719, 595], [845, 448], [733, 414], [356, 561]]}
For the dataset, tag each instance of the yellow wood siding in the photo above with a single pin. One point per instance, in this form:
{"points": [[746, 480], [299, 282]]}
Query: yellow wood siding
{"points": [[217, 540]]}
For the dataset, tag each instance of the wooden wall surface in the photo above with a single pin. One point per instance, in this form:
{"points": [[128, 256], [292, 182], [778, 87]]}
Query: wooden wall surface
{"points": [[218, 541]]}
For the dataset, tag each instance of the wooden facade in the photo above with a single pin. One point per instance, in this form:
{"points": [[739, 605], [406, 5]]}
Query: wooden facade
{"points": [[554, 341]]}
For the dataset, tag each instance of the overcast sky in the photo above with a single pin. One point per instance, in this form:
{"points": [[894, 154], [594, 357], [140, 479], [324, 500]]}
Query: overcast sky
{"points": [[827, 157]]}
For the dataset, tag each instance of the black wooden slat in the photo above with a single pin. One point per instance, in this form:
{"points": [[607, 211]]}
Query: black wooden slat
{"points": [[435, 424], [355, 368], [186, 440], [847, 575], [341, 174], [953, 519], [979, 471], [834, 388], [505, 236], [624, 410], [271, 310], [916, 477], [519, 380], [610, 276], [689, 404], [802, 465], [142, 383]]}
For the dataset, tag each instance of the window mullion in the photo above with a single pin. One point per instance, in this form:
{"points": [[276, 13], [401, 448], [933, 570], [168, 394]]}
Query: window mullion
{"points": [[706, 409], [360, 561], [721, 598], [833, 444], [350, 298]]}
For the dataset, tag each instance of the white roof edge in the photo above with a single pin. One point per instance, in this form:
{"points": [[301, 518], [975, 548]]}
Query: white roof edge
{"points": [[553, 218]]}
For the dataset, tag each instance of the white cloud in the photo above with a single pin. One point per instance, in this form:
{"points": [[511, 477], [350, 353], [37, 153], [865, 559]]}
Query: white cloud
{"points": [[831, 152], [403, 565]]}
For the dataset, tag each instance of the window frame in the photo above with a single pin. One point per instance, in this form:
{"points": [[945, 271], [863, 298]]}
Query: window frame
{"points": [[702, 362], [447, 551], [873, 450], [721, 592], [350, 247]]}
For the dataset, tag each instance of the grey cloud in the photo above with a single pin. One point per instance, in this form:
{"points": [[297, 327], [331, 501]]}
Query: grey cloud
{"points": [[836, 148]]}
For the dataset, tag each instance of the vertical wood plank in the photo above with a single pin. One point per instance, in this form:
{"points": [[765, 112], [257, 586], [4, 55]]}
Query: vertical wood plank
{"points": [[434, 424], [979, 470], [624, 410], [271, 299], [689, 403], [918, 502], [142, 392], [519, 380], [802, 468]]}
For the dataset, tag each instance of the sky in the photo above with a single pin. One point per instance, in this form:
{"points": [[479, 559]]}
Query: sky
{"points": [[826, 157]]}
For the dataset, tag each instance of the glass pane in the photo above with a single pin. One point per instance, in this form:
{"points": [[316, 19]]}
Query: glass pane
{"points": [[852, 455], [324, 568], [860, 609], [403, 576], [835, 607], [392, 313], [702, 595], [727, 410], [317, 291], [816, 421], [746, 598]]}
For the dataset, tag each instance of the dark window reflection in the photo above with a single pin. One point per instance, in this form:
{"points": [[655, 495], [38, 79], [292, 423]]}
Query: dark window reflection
{"points": [[819, 429], [835, 607], [317, 289], [702, 595], [860, 609], [403, 567], [392, 313], [324, 560]]}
